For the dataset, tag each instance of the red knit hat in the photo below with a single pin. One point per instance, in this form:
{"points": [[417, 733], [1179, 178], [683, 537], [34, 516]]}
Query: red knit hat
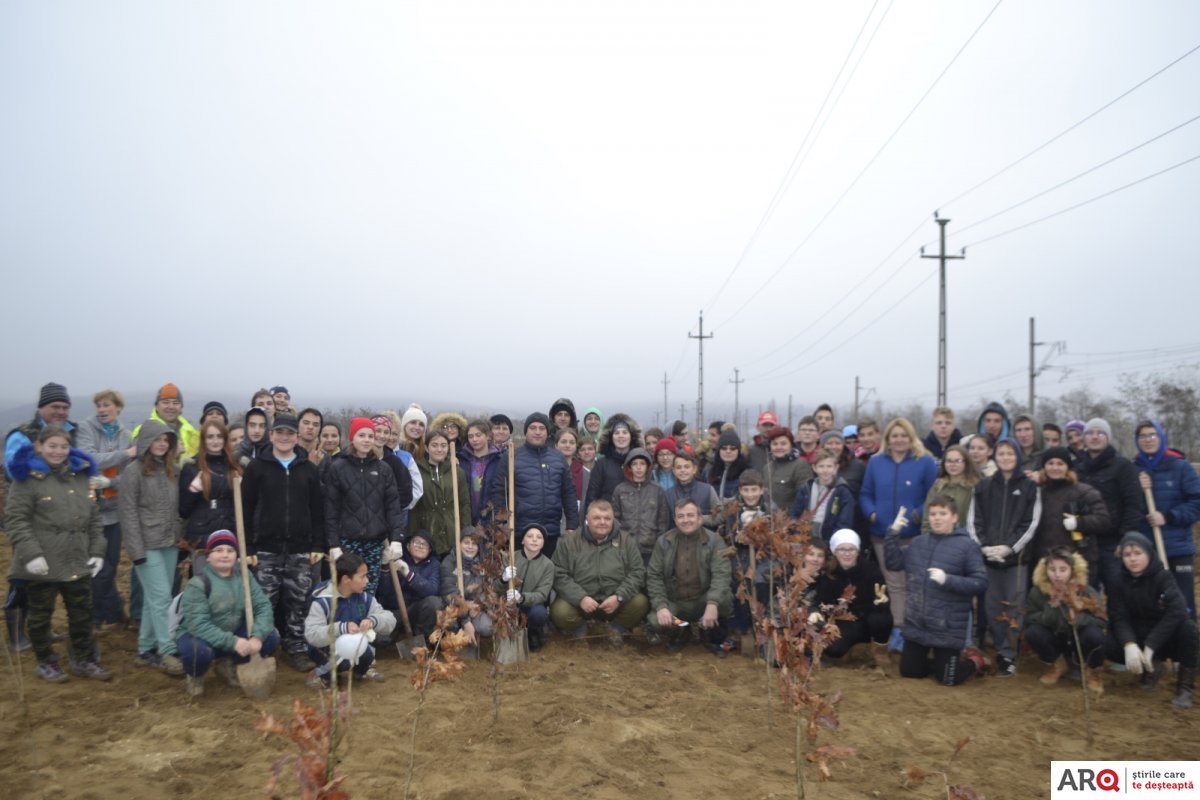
{"points": [[665, 443], [358, 423]]}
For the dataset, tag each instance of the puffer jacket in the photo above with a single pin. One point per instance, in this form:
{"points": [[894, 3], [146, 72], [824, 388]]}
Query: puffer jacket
{"points": [[1176, 490], [1146, 608], [201, 516], [434, 512], [362, 502], [714, 569], [786, 476], [938, 616], [609, 471], [111, 457], [1038, 609], [863, 576], [49, 512], [839, 506], [641, 509], [1006, 511], [585, 567], [545, 490], [1063, 497], [1113, 476], [149, 504], [890, 484]]}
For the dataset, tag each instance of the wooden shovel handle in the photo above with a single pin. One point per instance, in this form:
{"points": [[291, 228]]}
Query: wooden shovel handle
{"points": [[1158, 540], [400, 598], [241, 537]]}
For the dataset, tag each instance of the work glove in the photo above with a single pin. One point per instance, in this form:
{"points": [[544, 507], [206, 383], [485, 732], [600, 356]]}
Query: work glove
{"points": [[1148, 659], [901, 522], [881, 596], [96, 564], [403, 567], [1133, 659], [815, 618], [508, 574], [99, 482], [514, 596], [335, 553], [937, 575], [1070, 521], [394, 551], [38, 566]]}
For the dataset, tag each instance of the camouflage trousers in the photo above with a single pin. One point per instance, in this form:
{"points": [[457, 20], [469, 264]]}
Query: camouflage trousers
{"points": [[286, 580]]}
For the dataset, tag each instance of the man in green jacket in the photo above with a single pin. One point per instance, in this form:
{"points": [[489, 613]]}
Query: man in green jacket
{"points": [[688, 582], [598, 575]]}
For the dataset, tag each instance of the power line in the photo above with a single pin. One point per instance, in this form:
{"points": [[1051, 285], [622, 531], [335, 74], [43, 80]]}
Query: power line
{"points": [[1085, 202], [1077, 177], [793, 167], [1070, 128], [868, 165]]}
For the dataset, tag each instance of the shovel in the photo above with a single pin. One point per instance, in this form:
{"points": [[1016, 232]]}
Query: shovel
{"points": [[404, 648], [257, 676]]}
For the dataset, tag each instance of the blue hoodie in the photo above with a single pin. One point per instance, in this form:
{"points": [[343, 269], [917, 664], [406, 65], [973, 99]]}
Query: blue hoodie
{"points": [[1176, 489], [1002, 411]]}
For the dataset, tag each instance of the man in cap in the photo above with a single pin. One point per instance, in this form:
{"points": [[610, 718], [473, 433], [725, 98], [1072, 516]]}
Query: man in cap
{"points": [[168, 409], [760, 447]]}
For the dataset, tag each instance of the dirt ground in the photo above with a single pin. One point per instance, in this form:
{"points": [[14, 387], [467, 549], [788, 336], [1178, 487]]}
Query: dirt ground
{"points": [[578, 720]]}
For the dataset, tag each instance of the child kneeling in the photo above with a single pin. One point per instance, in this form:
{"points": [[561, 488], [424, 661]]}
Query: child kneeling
{"points": [[943, 571], [214, 618], [358, 613], [1058, 579]]}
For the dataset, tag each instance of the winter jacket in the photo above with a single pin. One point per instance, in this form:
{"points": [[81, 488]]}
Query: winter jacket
{"points": [[148, 504], [704, 495], [1147, 608], [609, 471], [585, 567], [414, 487], [423, 580], [202, 517], [1033, 456], [108, 449], [863, 576], [641, 509], [480, 470], [934, 447], [472, 580], [1006, 512], [537, 579], [1115, 478], [724, 476], [564, 404], [188, 436], [938, 615], [27, 433], [1176, 490], [838, 503], [786, 476], [545, 490], [49, 512], [434, 512], [319, 627], [285, 508], [889, 484], [713, 566], [760, 454], [362, 502], [962, 495], [665, 478], [1006, 430], [1063, 497], [1038, 608], [853, 472], [212, 614]]}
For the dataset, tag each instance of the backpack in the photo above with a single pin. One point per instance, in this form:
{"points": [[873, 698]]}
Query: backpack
{"points": [[175, 610]]}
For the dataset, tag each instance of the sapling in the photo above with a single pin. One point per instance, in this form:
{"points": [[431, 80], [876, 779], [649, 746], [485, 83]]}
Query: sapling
{"points": [[1077, 601]]}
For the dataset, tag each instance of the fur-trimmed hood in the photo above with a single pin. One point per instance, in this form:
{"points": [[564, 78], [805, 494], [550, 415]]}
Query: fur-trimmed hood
{"points": [[635, 430], [564, 404], [26, 463], [458, 419], [1079, 573]]}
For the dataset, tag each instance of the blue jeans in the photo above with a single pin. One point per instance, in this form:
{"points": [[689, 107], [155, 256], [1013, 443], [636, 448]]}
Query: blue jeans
{"points": [[537, 615], [156, 575], [107, 606], [321, 659], [197, 655]]}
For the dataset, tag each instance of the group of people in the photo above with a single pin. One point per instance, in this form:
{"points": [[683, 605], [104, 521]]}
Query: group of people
{"points": [[947, 539]]}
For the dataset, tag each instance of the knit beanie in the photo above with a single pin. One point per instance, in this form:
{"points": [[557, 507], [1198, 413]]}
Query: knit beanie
{"points": [[1102, 425], [1061, 453], [169, 391], [729, 439], [414, 414], [665, 443], [53, 393], [536, 416], [1076, 425], [845, 536], [218, 538], [1138, 540], [827, 435], [212, 405], [358, 423], [501, 419]]}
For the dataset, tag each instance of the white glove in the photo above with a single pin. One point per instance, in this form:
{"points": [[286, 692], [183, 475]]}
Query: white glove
{"points": [[394, 551], [38, 566], [508, 574], [1070, 521], [335, 553], [901, 522], [1133, 659], [514, 596], [96, 564], [815, 618], [1148, 659], [937, 575], [402, 565], [102, 482]]}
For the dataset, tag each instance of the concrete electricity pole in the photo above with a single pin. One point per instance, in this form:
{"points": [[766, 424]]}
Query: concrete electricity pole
{"points": [[700, 394], [942, 258], [736, 384]]}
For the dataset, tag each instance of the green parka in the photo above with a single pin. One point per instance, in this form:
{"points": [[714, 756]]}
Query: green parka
{"points": [[714, 570], [584, 567], [434, 512]]}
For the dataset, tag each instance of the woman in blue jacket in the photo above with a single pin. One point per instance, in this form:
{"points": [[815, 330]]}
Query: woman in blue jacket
{"points": [[1176, 489], [899, 475]]}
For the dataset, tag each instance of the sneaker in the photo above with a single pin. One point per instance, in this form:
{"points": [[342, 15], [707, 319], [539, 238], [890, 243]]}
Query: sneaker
{"points": [[300, 662], [896, 641], [1005, 667], [147, 659], [170, 664], [90, 669], [318, 682], [193, 685], [228, 672], [982, 664], [729, 646], [49, 670], [373, 674]]}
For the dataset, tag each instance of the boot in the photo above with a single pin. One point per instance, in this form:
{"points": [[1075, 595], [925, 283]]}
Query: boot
{"points": [[1054, 672], [1095, 680], [1185, 687], [879, 652], [1150, 677], [14, 619]]}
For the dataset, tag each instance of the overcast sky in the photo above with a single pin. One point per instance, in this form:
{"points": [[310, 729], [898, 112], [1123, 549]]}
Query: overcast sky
{"points": [[501, 203]]}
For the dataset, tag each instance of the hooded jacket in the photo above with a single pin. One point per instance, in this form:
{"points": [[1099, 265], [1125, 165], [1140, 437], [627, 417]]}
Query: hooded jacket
{"points": [[434, 512], [27, 433], [1063, 497], [1114, 477], [723, 476], [938, 615], [1147, 608], [1176, 491], [1039, 440], [148, 504], [285, 508], [1040, 611], [641, 506], [610, 468], [49, 513], [585, 567], [189, 437], [545, 489], [838, 502], [589, 410], [786, 475], [362, 502], [108, 449], [1005, 430], [564, 404], [713, 568], [1006, 512]]}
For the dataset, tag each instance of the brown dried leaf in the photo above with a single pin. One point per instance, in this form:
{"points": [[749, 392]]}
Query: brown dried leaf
{"points": [[963, 742], [913, 776]]}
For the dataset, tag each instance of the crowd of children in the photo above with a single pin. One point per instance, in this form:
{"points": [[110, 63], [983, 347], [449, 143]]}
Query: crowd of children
{"points": [[1019, 533]]}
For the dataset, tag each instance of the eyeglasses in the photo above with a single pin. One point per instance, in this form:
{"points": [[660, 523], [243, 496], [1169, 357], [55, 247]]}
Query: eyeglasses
{"points": [[958, 461], [1147, 436]]}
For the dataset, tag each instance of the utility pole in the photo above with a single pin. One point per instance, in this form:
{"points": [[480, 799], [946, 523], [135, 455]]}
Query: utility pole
{"points": [[942, 258], [736, 383], [789, 410], [682, 411], [664, 383], [856, 389], [859, 397], [700, 395]]}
